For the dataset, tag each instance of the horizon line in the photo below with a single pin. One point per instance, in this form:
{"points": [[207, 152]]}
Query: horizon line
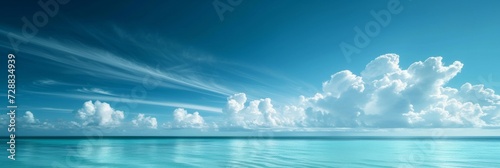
{"points": [[347, 137]]}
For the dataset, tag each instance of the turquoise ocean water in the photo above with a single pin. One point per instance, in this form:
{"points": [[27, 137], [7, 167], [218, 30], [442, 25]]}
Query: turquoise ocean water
{"points": [[244, 152]]}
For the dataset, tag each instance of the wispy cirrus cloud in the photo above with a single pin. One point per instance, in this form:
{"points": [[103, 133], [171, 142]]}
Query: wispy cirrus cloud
{"points": [[131, 100], [171, 65], [51, 82], [54, 109], [46, 82], [95, 91], [102, 63]]}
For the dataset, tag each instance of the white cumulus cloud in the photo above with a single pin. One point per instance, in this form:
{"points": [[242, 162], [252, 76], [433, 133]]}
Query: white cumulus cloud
{"points": [[261, 113], [99, 114], [183, 119], [29, 117], [384, 95], [142, 121], [30, 121]]}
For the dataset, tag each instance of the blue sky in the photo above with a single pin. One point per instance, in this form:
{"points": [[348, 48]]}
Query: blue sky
{"points": [[139, 62]]}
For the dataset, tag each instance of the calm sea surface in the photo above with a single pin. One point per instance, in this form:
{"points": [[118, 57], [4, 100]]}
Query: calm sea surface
{"points": [[282, 152]]}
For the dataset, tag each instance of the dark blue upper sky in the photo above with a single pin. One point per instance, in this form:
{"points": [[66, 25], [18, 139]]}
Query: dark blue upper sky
{"points": [[267, 49]]}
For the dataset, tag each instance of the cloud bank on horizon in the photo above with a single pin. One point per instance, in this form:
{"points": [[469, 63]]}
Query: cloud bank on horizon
{"points": [[383, 95]]}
